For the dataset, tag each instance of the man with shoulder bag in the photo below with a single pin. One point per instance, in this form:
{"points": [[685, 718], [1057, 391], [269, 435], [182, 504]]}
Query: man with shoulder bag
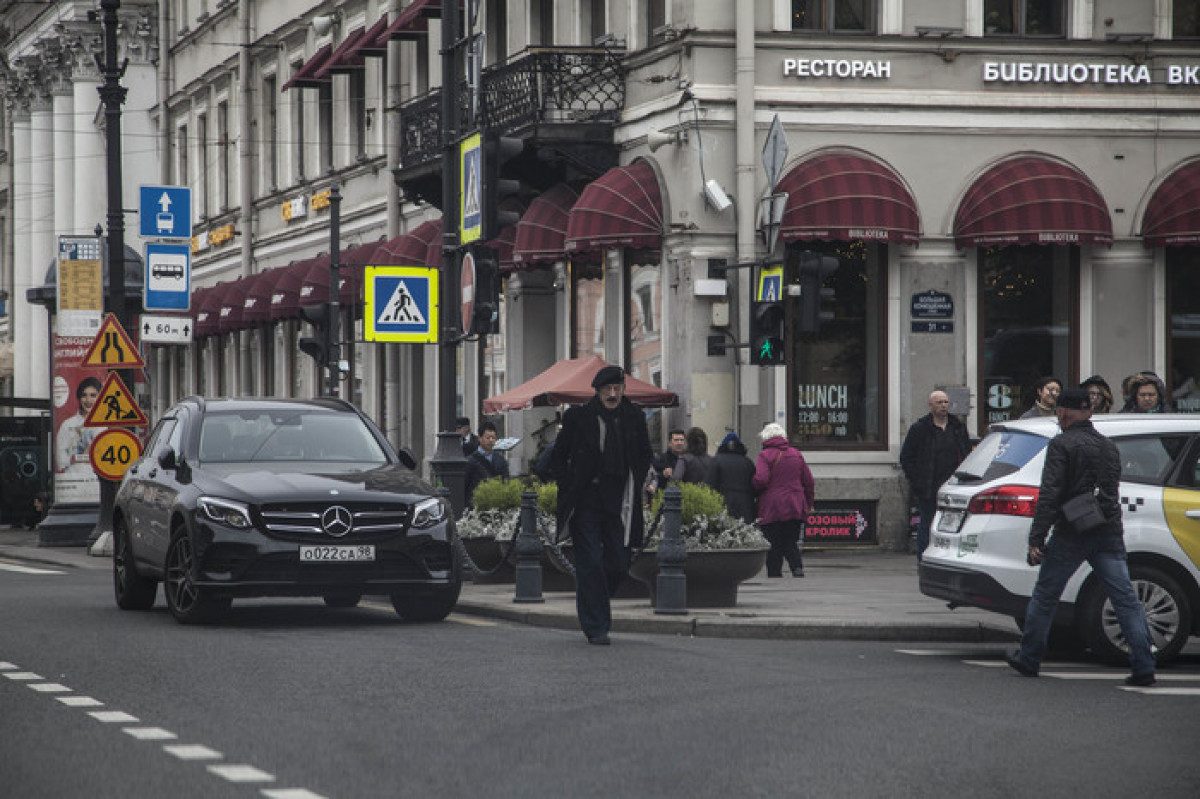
{"points": [[1079, 498]]}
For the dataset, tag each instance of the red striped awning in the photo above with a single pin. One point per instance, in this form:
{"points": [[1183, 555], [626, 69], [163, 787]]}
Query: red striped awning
{"points": [[621, 208], [198, 309], [233, 304], [285, 296], [343, 59], [542, 230], [1032, 200], [412, 22], [847, 197], [370, 45], [409, 249], [306, 77], [1173, 214], [314, 287], [351, 263], [503, 245], [256, 307], [433, 251], [208, 309]]}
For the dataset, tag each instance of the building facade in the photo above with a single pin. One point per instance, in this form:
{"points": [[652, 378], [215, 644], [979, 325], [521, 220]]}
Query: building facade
{"points": [[973, 194]]}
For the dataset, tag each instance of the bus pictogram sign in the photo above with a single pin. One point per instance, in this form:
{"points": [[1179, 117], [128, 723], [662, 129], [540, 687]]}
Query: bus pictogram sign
{"points": [[113, 452]]}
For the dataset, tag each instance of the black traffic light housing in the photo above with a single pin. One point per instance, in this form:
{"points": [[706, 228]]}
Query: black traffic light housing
{"points": [[485, 320], [497, 151], [766, 333], [812, 269], [320, 346]]}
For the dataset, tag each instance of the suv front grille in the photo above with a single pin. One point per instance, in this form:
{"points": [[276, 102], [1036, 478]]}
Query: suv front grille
{"points": [[301, 521]]}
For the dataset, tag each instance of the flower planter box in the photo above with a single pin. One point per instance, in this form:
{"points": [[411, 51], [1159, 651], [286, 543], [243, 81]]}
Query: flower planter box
{"points": [[712, 576]]}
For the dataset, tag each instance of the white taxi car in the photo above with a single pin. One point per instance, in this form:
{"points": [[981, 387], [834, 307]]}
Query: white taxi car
{"points": [[978, 542]]}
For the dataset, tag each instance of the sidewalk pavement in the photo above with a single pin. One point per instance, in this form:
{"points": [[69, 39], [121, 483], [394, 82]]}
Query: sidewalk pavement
{"points": [[863, 595]]}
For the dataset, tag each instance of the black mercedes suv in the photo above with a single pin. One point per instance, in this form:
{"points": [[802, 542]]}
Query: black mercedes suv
{"points": [[270, 497]]}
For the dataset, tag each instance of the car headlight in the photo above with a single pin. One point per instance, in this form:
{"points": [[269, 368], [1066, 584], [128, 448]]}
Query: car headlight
{"points": [[428, 512], [226, 512]]}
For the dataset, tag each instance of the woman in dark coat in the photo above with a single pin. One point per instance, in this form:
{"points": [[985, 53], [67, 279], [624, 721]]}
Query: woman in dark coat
{"points": [[732, 474], [694, 464], [785, 486]]}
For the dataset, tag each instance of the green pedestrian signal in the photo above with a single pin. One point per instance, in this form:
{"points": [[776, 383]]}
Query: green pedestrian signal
{"points": [[766, 333]]}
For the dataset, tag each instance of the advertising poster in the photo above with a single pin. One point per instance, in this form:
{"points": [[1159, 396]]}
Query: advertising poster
{"points": [[75, 390], [842, 521]]}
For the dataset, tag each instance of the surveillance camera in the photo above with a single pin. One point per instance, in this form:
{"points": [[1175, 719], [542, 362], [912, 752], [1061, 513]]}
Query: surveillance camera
{"points": [[716, 196]]}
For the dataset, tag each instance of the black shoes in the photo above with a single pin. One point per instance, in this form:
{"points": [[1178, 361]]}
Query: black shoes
{"points": [[601, 639], [1140, 679], [797, 572], [1014, 661]]}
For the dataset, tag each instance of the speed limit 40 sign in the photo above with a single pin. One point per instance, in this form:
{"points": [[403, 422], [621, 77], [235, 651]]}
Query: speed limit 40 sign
{"points": [[113, 452]]}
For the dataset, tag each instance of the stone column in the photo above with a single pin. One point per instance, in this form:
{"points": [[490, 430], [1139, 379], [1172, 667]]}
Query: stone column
{"points": [[42, 243], [138, 42], [64, 159], [21, 320], [88, 198]]}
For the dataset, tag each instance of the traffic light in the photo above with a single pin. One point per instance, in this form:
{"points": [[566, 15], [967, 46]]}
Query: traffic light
{"points": [[485, 319], [766, 333], [812, 270], [319, 346], [498, 150]]}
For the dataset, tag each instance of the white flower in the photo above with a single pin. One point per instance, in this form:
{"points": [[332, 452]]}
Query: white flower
{"points": [[709, 533]]}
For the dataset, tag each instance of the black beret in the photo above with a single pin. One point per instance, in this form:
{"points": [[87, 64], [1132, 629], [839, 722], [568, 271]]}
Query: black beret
{"points": [[607, 376], [1075, 399]]}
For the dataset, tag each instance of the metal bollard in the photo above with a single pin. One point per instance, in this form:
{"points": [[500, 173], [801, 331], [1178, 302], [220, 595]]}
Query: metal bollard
{"points": [[671, 584], [529, 553]]}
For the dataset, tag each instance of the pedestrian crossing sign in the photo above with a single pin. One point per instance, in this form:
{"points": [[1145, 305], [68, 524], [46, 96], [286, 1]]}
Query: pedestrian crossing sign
{"points": [[770, 284], [470, 176], [401, 304], [115, 406]]}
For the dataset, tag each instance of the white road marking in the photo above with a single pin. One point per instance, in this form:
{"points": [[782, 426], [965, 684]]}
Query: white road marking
{"points": [[150, 733], [113, 716], [23, 675], [473, 622], [192, 752], [1116, 675], [987, 664], [13, 567], [1161, 691], [6, 666], [242, 773], [290, 793], [49, 687], [79, 701], [924, 652]]}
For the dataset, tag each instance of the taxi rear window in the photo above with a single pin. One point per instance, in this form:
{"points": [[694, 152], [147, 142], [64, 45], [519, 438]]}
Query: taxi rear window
{"points": [[999, 454]]}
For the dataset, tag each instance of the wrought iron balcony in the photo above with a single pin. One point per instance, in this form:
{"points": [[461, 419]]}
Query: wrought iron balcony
{"points": [[534, 93]]}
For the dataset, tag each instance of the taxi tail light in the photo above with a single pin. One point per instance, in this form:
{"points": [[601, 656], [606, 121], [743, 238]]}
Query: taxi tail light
{"points": [[1014, 500]]}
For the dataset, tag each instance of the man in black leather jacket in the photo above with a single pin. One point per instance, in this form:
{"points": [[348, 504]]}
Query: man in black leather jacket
{"points": [[1080, 461], [933, 448]]}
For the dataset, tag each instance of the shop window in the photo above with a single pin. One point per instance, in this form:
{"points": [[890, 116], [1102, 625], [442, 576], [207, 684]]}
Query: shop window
{"points": [[1023, 17], [493, 371], [1027, 325], [837, 363], [1185, 19], [1183, 335], [833, 16], [587, 310], [645, 356]]}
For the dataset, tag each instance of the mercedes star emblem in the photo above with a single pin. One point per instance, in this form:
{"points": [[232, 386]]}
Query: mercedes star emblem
{"points": [[336, 521]]}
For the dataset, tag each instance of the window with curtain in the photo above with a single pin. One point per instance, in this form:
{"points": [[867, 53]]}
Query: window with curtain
{"points": [[1027, 325], [1024, 17], [838, 365], [834, 16]]}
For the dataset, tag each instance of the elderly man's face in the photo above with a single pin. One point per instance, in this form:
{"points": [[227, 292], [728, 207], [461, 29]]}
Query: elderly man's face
{"points": [[610, 395], [939, 404]]}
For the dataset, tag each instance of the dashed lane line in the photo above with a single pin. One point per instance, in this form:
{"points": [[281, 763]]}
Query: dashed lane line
{"points": [[24, 676], [9, 566], [192, 752], [113, 717], [150, 733], [6, 666], [290, 793], [1156, 691], [241, 773], [49, 687], [79, 701]]}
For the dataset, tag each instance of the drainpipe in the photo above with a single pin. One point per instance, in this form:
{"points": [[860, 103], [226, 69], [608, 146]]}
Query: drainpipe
{"points": [[747, 198], [391, 124], [164, 92], [245, 153]]}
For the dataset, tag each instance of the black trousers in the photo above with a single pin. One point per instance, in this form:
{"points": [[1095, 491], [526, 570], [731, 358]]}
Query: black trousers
{"points": [[784, 537], [601, 563]]}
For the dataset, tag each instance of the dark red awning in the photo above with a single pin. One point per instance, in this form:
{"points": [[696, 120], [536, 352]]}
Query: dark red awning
{"points": [[370, 46], [285, 295], [845, 197], [1032, 200], [433, 250], [198, 310], [412, 22], [231, 315], [621, 208], [503, 245], [305, 77], [208, 309], [351, 263], [542, 230], [256, 308], [343, 59], [1173, 214], [409, 249], [315, 285]]}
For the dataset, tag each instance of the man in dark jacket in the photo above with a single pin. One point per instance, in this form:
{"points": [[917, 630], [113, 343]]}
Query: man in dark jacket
{"points": [[934, 447], [600, 461], [484, 462], [1080, 461]]}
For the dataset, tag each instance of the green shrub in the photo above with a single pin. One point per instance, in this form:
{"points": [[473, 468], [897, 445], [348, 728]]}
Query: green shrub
{"points": [[498, 493], [548, 498], [698, 500]]}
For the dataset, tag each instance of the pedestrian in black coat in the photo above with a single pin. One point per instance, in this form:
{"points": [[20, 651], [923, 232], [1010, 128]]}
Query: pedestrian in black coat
{"points": [[484, 462], [934, 447], [732, 474], [600, 461]]}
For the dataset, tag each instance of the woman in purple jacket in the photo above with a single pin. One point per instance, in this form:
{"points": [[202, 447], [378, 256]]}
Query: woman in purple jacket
{"points": [[785, 486]]}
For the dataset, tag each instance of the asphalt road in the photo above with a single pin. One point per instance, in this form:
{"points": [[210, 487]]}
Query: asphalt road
{"points": [[296, 701]]}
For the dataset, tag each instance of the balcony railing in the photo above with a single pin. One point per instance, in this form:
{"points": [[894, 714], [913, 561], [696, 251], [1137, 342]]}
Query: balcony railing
{"points": [[541, 86]]}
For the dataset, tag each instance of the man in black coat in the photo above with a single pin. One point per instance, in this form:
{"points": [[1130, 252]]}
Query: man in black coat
{"points": [[600, 461], [934, 447], [1081, 461], [484, 462]]}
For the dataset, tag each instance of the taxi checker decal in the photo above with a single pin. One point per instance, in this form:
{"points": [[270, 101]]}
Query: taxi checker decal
{"points": [[1132, 504]]}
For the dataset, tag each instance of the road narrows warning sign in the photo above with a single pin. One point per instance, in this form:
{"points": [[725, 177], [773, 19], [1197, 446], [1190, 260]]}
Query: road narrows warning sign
{"points": [[112, 347]]}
